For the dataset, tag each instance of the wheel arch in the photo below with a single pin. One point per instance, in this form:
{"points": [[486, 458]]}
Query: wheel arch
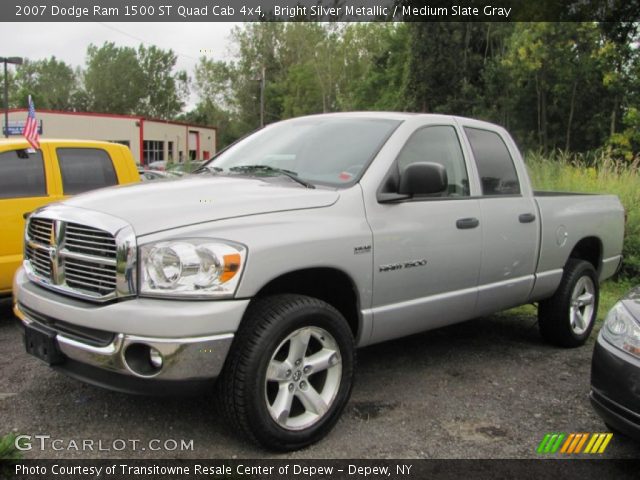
{"points": [[588, 249], [328, 284]]}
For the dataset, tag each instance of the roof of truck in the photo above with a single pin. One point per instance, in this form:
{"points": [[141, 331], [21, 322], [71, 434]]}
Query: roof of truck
{"points": [[405, 116], [18, 141]]}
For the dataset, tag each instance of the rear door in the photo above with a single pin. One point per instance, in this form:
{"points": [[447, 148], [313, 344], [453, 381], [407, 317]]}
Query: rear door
{"points": [[510, 222], [84, 168], [25, 185]]}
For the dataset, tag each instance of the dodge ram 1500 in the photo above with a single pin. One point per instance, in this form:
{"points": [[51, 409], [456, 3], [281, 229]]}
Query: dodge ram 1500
{"points": [[290, 249]]}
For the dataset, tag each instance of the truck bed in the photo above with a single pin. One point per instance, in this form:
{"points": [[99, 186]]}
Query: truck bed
{"points": [[548, 193], [567, 218]]}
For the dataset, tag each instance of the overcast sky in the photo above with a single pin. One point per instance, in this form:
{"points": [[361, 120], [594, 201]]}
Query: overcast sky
{"points": [[69, 41]]}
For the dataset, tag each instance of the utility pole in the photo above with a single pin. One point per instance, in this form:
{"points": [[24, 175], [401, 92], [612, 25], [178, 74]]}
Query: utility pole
{"points": [[14, 61]]}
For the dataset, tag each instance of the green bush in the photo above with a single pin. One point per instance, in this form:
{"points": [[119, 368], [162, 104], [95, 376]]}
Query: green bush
{"points": [[8, 450], [595, 173]]}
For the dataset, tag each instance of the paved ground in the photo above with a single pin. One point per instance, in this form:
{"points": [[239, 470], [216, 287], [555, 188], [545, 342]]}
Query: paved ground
{"points": [[483, 389]]}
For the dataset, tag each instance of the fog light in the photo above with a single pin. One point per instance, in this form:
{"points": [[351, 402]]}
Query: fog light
{"points": [[155, 357], [143, 360]]}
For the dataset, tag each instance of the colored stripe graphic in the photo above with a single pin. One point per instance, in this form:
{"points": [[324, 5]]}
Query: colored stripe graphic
{"points": [[567, 443], [550, 443], [543, 443], [556, 445], [574, 443], [578, 439], [581, 443], [598, 442]]}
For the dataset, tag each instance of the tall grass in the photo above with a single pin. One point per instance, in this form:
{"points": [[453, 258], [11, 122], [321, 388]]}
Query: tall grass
{"points": [[595, 173]]}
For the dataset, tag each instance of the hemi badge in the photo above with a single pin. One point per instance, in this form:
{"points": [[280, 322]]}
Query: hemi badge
{"points": [[362, 249]]}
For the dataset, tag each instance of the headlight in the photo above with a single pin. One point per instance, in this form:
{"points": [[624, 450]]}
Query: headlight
{"points": [[622, 330], [191, 268]]}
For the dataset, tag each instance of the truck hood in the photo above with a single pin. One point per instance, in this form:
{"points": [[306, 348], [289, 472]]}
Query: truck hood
{"points": [[163, 205]]}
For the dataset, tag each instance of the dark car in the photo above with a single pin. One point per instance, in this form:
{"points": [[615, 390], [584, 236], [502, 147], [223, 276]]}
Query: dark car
{"points": [[615, 369]]}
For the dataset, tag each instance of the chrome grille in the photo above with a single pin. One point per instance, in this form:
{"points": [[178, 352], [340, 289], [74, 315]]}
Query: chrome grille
{"points": [[78, 259], [90, 276], [40, 261], [89, 240], [40, 230]]}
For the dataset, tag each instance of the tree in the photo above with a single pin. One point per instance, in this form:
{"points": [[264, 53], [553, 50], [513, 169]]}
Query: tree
{"points": [[310, 55], [553, 70], [619, 57], [128, 81], [554, 85], [257, 48], [208, 113], [214, 84], [309, 67], [163, 92], [50, 82], [445, 66], [113, 79], [13, 90], [299, 64], [376, 55]]}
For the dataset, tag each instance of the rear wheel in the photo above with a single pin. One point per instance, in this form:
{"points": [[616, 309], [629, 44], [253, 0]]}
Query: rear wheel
{"points": [[289, 374], [567, 318]]}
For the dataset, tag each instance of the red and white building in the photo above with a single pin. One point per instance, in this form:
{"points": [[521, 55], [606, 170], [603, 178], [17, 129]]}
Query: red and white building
{"points": [[149, 139]]}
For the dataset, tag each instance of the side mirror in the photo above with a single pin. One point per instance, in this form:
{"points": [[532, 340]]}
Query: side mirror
{"points": [[423, 178]]}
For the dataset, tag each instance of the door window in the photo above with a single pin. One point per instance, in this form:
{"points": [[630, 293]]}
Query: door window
{"points": [[85, 169], [22, 174], [438, 144], [497, 173]]}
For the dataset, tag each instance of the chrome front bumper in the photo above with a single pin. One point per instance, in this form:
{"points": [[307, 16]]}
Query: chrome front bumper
{"points": [[193, 338], [183, 359]]}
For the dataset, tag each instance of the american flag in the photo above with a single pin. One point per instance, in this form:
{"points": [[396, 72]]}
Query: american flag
{"points": [[30, 130]]}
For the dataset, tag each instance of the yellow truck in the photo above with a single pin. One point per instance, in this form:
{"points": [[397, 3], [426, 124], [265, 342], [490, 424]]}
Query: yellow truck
{"points": [[30, 179]]}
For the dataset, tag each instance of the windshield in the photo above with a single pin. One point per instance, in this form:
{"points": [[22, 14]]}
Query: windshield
{"points": [[325, 150]]}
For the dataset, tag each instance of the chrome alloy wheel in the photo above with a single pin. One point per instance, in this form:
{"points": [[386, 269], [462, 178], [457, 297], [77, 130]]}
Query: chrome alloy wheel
{"points": [[581, 311], [303, 378]]}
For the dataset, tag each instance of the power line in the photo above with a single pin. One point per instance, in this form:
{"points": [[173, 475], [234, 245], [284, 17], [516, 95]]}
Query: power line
{"points": [[111, 27]]}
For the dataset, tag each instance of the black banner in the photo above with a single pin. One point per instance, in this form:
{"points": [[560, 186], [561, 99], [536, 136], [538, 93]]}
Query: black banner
{"points": [[317, 10], [319, 469]]}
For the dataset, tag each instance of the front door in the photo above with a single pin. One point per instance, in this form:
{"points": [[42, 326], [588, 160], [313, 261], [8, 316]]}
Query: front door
{"points": [[427, 249]]}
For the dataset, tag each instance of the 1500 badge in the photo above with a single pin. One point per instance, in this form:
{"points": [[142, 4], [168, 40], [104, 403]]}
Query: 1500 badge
{"points": [[399, 266]]}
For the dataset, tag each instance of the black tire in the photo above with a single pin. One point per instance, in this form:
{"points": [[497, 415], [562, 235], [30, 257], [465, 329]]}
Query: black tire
{"points": [[557, 324], [617, 432], [247, 396]]}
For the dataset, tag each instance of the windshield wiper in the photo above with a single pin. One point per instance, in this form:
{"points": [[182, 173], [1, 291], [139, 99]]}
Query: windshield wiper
{"points": [[267, 169], [205, 169]]}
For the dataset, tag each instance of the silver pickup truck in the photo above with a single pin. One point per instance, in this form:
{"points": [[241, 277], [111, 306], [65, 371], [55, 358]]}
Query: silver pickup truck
{"points": [[293, 247]]}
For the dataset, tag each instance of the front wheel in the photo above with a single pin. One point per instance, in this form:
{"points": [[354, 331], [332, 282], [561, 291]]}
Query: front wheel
{"points": [[290, 371], [567, 318]]}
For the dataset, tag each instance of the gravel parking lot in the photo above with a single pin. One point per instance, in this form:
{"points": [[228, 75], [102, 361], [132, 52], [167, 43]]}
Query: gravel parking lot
{"points": [[489, 388]]}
